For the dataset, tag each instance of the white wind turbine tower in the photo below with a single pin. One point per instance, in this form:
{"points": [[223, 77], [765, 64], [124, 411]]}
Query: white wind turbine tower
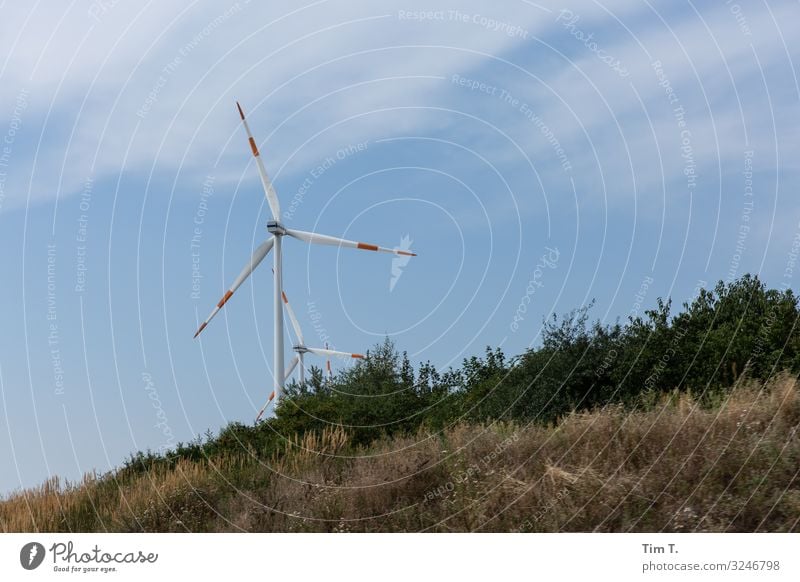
{"points": [[278, 231]]}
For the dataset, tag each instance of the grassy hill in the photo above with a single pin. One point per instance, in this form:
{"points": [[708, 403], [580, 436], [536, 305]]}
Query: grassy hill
{"points": [[677, 466], [678, 422]]}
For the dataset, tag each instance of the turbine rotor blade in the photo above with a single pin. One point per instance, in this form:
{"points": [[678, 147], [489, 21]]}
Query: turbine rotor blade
{"points": [[292, 366], [293, 318], [323, 239], [328, 364], [272, 197], [258, 256], [290, 369], [263, 408], [325, 352]]}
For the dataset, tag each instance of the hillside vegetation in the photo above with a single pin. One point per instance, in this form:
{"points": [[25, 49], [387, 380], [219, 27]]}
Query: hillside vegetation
{"points": [[685, 422]]}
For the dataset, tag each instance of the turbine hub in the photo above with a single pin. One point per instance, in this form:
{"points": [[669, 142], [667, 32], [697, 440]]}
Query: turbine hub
{"points": [[300, 349], [276, 228]]}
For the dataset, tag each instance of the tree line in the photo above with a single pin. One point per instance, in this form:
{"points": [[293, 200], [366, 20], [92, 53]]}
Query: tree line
{"points": [[737, 330]]}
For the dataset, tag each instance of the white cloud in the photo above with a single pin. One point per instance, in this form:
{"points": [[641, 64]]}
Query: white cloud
{"points": [[587, 98], [302, 71], [155, 86]]}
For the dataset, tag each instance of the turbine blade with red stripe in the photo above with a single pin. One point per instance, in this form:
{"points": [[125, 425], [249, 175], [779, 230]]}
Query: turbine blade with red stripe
{"points": [[289, 370], [263, 408], [272, 197], [324, 352], [293, 318], [323, 239], [328, 364], [257, 257]]}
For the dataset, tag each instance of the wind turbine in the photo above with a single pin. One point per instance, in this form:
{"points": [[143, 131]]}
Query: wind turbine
{"points": [[301, 350], [278, 231]]}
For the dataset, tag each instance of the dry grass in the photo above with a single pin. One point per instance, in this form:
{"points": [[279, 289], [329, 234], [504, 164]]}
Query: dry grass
{"points": [[675, 467]]}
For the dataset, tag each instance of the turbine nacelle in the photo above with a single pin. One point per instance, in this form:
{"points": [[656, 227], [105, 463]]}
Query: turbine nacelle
{"points": [[275, 228]]}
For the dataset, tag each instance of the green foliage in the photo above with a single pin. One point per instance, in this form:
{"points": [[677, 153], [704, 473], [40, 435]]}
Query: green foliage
{"points": [[734, 331]]}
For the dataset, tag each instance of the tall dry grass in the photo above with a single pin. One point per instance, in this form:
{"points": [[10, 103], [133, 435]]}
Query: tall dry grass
{"points": [[676, 466]]}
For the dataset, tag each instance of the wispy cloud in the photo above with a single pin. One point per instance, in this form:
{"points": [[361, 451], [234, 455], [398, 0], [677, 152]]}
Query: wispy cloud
{"points": [[140, 88]]}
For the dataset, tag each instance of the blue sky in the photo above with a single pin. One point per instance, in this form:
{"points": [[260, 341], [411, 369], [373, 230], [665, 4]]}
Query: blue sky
{"points": [[538, 156]]}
